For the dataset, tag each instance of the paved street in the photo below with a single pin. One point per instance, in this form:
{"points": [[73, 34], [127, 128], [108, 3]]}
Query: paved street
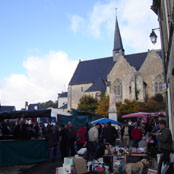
{"points": [[40, 168]]}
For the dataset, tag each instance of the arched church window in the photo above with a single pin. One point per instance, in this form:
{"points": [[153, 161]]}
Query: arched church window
{"points": [[118, 88], [159, 84]]}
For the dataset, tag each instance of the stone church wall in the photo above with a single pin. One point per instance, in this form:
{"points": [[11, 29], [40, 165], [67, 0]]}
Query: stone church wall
{"points": [[151, 67], [75, 92], [121, 71]]}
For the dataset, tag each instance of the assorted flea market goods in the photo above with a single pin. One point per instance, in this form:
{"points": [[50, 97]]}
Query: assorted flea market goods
{"points": [[112, 161]]}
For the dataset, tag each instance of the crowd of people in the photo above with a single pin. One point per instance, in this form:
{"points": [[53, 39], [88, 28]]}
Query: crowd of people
{"points": [[70, 138], [149, 133], [142, 133]]}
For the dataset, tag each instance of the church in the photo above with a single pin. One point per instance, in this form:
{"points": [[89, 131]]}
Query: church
{"points": [[134, 76]]}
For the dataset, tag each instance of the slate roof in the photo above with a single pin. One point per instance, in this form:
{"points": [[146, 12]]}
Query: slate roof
{"points": [[7, 108], [91, 70], [99, 85], [136, 60], [65, 106], [63, 94], [118, 45], [96, 70], [32, 107]]}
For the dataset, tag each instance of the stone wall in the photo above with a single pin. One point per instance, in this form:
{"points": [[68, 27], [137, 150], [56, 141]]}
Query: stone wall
{"points": [[75, 92], [125, 73], [170, 80], [151, 68]]}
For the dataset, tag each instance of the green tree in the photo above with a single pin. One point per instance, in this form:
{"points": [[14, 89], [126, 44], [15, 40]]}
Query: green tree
{"points": [[103, 107], [88, 104], [48, 104], [154, 104]]}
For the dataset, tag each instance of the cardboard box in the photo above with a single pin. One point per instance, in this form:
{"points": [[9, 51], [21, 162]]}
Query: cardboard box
{"points": [[80, 165], [59, 170], [69, 160], [67, 168]]}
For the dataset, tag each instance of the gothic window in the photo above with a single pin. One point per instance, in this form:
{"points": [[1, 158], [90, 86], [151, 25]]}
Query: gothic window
{"points": [[118, 88], [159, 84]]}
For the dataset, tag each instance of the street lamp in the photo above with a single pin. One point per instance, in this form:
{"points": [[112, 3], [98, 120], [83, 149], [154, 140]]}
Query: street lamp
{"points": [[153, 36]]}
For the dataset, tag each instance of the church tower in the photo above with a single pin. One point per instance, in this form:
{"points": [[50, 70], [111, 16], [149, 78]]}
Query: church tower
{"points": [[118, 46], [117, 51]]}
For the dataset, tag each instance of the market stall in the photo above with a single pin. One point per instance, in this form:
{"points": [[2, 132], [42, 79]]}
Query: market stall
{"points": [[144, 114], [17, 152], [105, 120], [23, 152]]}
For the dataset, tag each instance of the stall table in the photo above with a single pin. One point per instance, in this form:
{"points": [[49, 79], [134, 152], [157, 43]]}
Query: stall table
{"points": [[135, 157], [14, 152]]}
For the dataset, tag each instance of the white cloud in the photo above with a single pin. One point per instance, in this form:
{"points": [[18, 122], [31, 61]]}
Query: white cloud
{"points": [[76, 23], [135, 18], [45, 77], [101, 16], [139, 20]]}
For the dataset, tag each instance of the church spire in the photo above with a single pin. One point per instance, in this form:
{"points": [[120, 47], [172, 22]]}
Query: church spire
{"points": [[118, 46]]}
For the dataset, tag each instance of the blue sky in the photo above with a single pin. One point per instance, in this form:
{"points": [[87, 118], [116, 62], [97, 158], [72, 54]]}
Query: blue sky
{"points": [[41, 41], [33, 27]]}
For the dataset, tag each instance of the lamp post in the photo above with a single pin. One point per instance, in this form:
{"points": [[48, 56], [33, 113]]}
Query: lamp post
{"points": [[153, 36]]}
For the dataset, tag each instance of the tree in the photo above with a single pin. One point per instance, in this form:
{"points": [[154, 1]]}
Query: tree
{"points": [[88, 104], [154, 104], [48, 104], [129, 106], [103, 107]]}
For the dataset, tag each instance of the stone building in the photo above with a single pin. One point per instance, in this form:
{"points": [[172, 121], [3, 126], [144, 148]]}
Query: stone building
{"points": [[165, 11], [62, 100], [120, 76]]}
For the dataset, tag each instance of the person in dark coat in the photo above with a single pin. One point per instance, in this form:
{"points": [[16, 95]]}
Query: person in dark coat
{"points": [[110, 134], [164, 137], [71, 138], [52, 140], [63, 140]]}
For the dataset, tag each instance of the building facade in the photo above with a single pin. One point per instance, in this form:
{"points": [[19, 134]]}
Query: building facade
{"points": [[62, 99], [165, 12], [120, 76]]}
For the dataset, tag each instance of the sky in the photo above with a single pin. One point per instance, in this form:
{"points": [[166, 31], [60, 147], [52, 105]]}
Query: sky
{"points": [[42, 41]]}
